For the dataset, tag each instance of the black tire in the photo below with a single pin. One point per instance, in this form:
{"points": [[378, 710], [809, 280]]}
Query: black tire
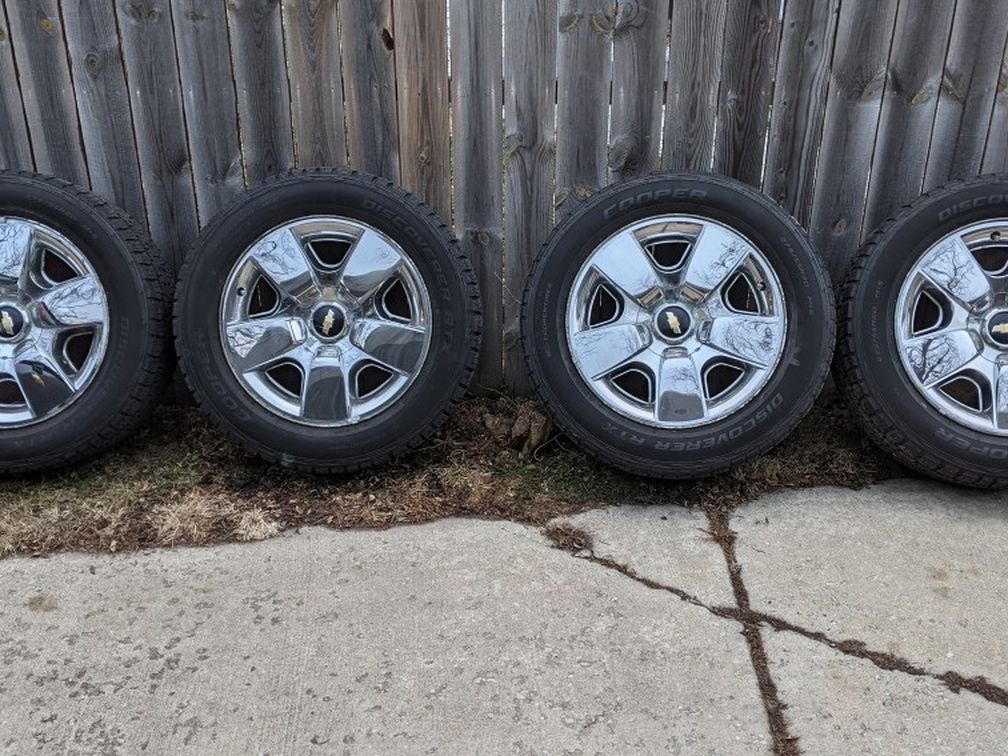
{"points": [[869, 371], [456, 321], [133, 371], [757, 426]]}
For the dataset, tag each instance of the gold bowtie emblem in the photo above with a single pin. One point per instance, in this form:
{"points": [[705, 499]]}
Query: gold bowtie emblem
{"points": [[6, 323], [328, 321], [1001, 329], [674, 323]]}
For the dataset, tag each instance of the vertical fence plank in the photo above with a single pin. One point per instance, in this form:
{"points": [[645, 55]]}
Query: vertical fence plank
{"points": [[640, 41], [369, 86], [41, 56], [696, 41], [201, 35], [103, 104], [476, 157], [530, 32], [996, 151], [165, 172], [969, 83], [15, 146], [857, 82], [264, 117], [799, 103], [583, 82], [421, 66], [752, 35], [311, 31], [908, 108]]}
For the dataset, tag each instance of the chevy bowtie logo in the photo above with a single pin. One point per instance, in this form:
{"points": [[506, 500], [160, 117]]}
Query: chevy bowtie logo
{"points": [[328, 321], [1001, 329], [674, 323], [6, 323]]}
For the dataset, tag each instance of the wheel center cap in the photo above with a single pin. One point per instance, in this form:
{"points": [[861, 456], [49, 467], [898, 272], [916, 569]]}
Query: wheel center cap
{"points": [[673, 322], [997, 329], [328, 322], [12, 323]]}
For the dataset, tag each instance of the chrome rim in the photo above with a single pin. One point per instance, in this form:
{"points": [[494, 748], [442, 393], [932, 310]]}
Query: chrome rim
{"points": [[325, 321], [54, 322], [952, 326], [676, 321]]}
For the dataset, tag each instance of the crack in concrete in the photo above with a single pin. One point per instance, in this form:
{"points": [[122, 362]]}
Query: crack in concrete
{"points": [[579, 544]]}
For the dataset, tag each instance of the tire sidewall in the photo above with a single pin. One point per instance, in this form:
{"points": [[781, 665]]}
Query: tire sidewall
{"points": [[795, 382], [129, 296], [202, 352], [871, 324]]}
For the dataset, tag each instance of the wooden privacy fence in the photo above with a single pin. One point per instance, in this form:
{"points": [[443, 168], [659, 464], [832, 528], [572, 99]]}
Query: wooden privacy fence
{"points": [[504, 113]]}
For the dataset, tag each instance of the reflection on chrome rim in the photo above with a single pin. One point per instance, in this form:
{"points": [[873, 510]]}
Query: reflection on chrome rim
{"points": [[952, 326], [676, 321], [325, 321], [54, 321]]}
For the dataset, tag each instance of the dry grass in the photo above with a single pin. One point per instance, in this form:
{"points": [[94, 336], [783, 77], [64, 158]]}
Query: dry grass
{"points": [[180, 482]]}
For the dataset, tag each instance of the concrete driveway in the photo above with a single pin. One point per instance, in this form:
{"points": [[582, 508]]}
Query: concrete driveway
{"points": [[820, 621]]}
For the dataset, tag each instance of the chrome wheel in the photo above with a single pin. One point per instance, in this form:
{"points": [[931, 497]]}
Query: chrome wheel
{"points": [[325, 321], [54, 320], [676, 321], [952, 326]]}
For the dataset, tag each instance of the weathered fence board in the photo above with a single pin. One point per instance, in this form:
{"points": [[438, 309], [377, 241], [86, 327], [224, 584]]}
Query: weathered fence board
{"points": [[148, 45], [799, 104], [967, 92], [584, 51], [640, 38], [421, 57], [15, 148], [504, 114], [201, 35], [311, 33], [103, 103], [530, 32], [752, 35], [46, 88], [264, 113], [857, 82], [476, 148], [369, 86], [696, 40], [908, 108]]}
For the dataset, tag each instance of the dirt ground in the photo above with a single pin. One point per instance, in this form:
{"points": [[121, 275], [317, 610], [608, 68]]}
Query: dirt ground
{"points": [[181, 483]]}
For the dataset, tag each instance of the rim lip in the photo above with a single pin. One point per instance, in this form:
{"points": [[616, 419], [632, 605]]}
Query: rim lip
{"points": [[96, 357], [414, 279], [624, 408], [909, 289]]}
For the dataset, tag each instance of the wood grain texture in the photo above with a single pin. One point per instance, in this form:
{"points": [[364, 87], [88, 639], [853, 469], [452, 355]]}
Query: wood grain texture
{"points": [[264, 113], [46, 87], [152, 71], [908, 108], [311, 31], [799, 103], [996, 151], [421, 60], [103, 104], [369, 86], [696, 40], [857, 83], [476, 158], [584, 50], [208, 92], [15, 144], [640, 39], [752, 34], [530, 37], [969, 85]]}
